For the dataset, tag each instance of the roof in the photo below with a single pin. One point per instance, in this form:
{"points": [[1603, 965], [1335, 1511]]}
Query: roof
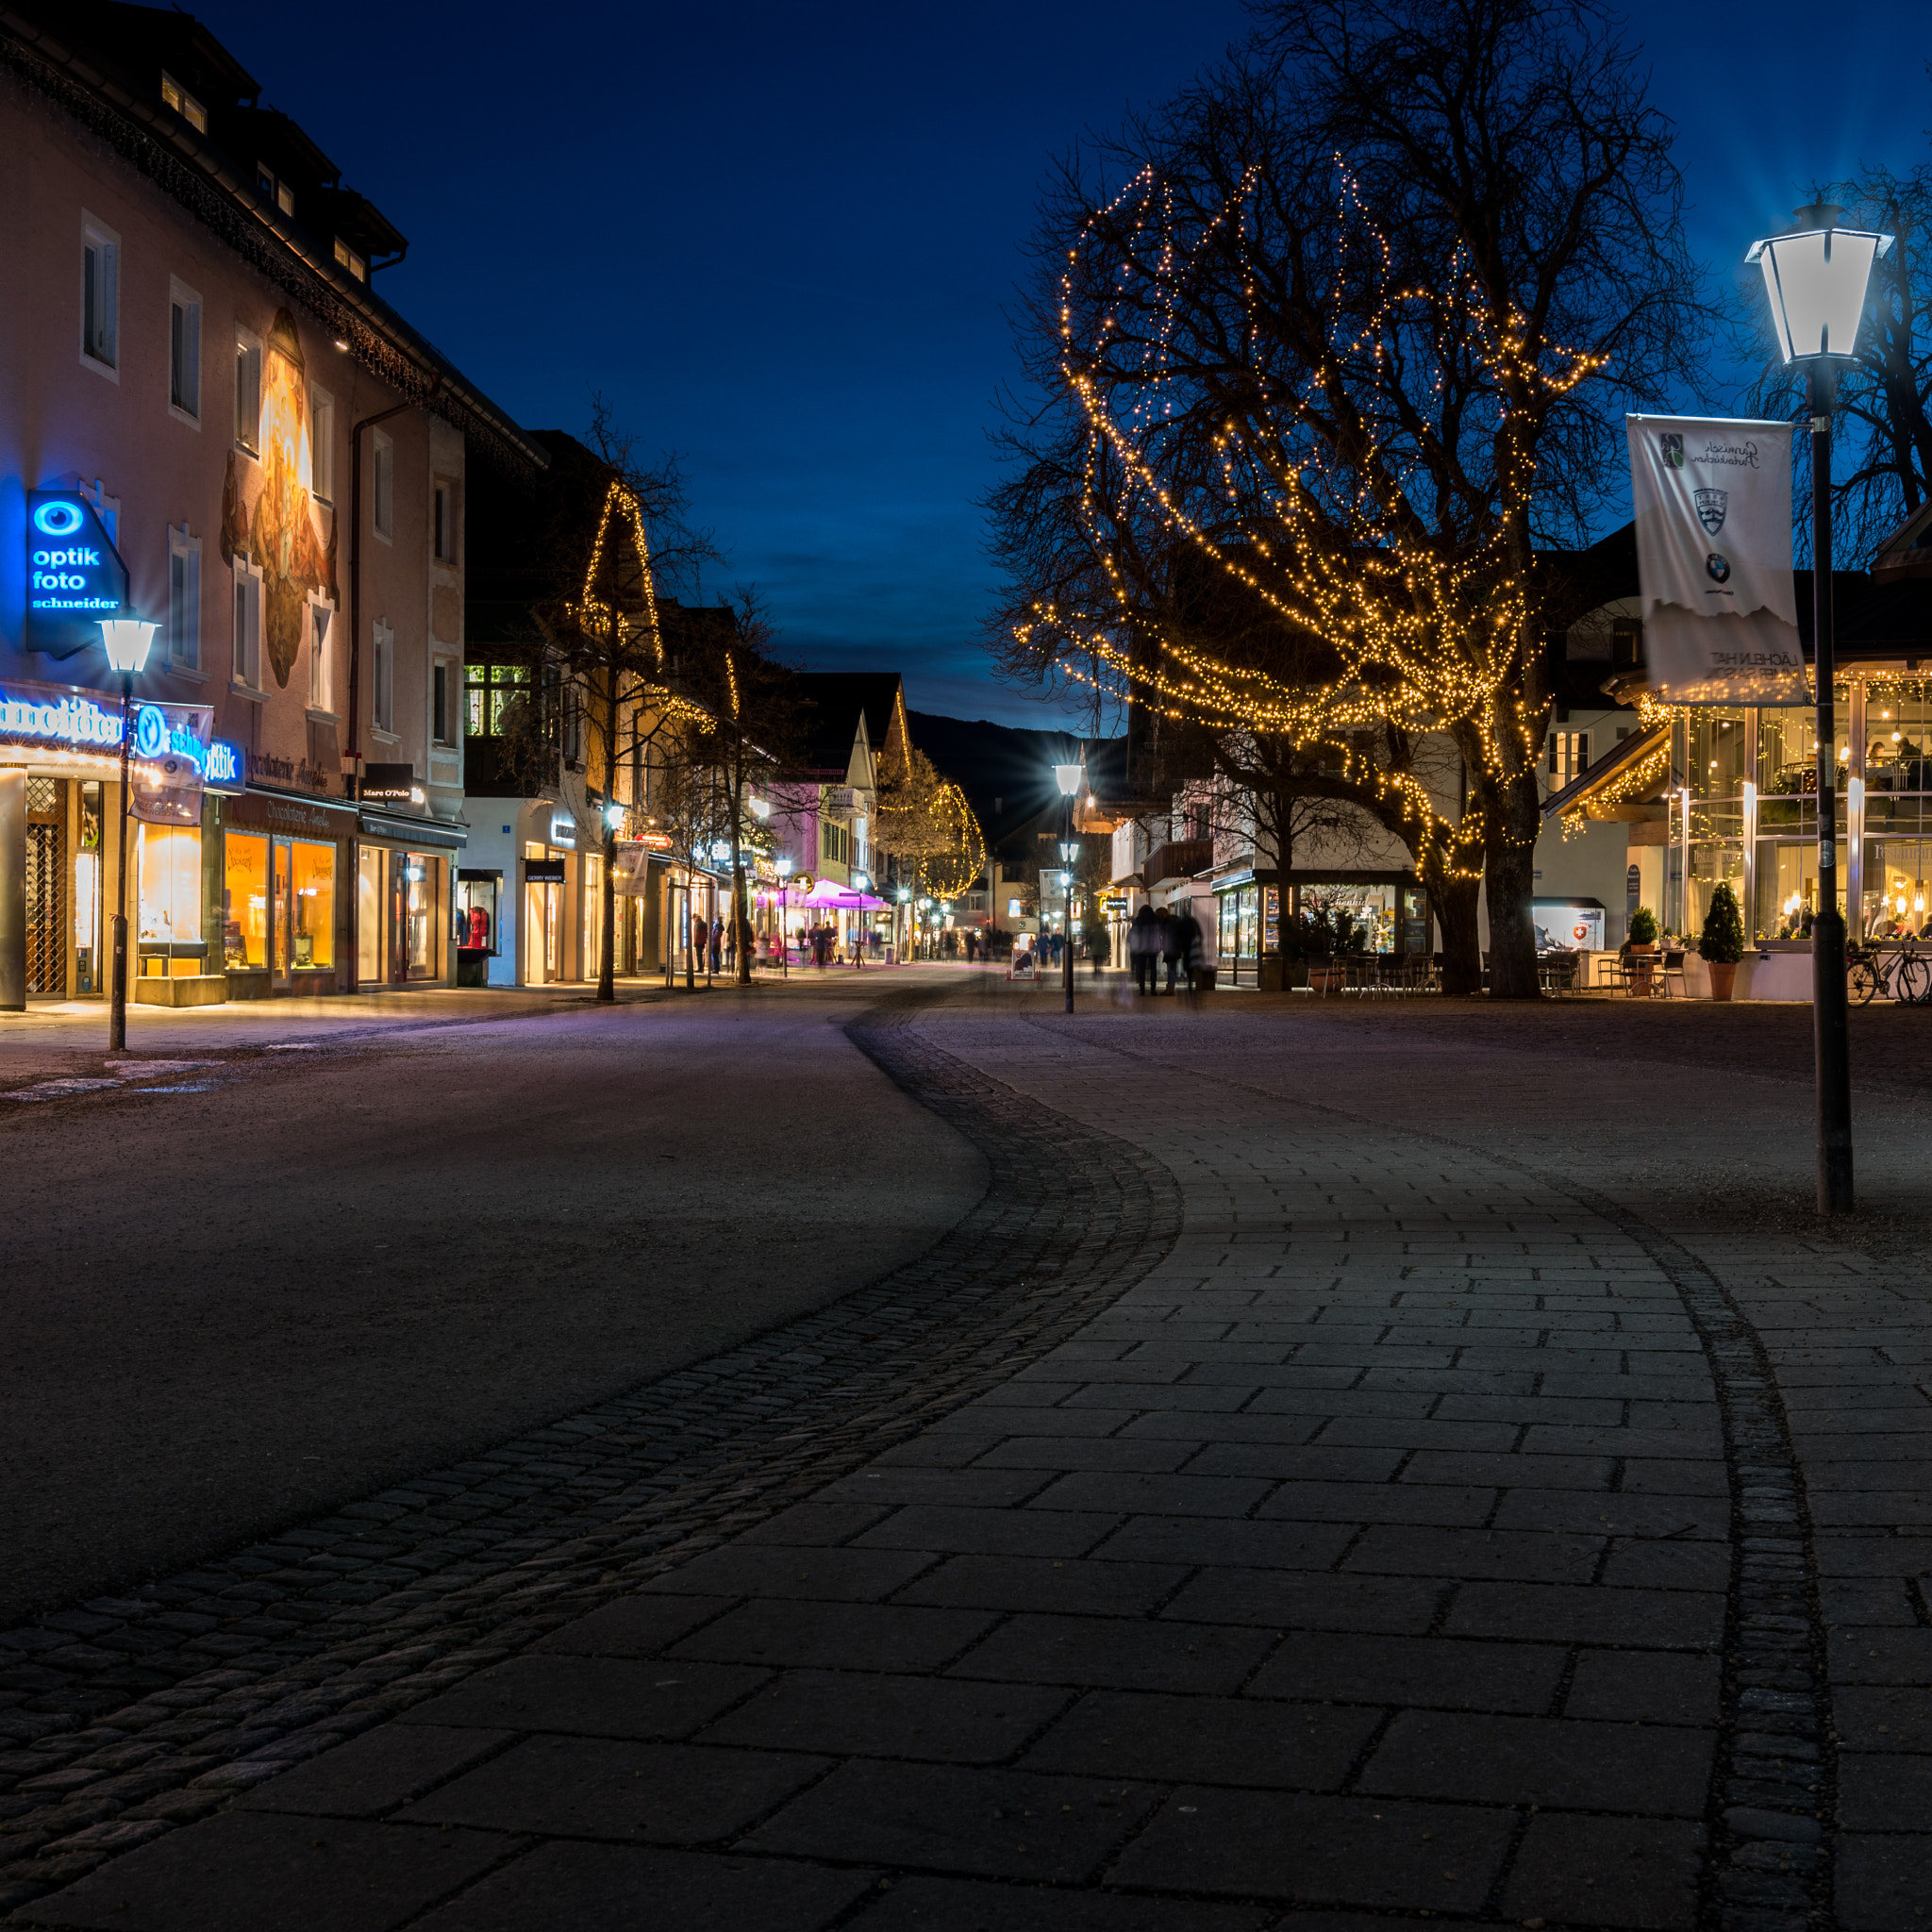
{"points": [[102, 61], [1628, 753]]}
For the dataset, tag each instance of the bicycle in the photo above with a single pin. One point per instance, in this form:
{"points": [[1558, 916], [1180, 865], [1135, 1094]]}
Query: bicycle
{"points": [[1869, 969]]}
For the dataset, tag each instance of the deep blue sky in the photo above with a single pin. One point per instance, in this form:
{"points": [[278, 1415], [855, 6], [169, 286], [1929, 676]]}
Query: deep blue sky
{"points": [[780, 238]]}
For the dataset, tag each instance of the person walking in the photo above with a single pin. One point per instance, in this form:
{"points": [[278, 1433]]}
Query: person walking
{"points": [[1188, 938], [1143, 944], [1169, 929]]}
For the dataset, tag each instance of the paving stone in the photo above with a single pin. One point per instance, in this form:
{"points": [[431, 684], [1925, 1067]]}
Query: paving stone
{"points": [[598, 1888], [1593, 1615], [1651, 1687], [376, 1772], [988, 1532], [297, 1875], [986, 1485], [1281, 1600], [1883, 1883], [1190, 1539], [1212, 1740], [807, 1526], [1445, 1673], [1144, 1495], [1881, 1656], [1543, 1761], [842, 1575], [1637, 1872], [846, 1713], [1891, 1719], [869, 1636], [1536, 1557], [1658, 1565], [1317, 1502], [595, 1697], [1000, 1823], [1322, 1850], [634, 1626], [1041, 1583], [922, 1904], [618, 1788], [1117, 1653], [1884, 1791]]}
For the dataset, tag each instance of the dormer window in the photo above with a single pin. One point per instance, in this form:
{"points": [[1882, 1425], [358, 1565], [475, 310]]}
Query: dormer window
{"points": [[358, 265], [176, 96], [274, 189]]}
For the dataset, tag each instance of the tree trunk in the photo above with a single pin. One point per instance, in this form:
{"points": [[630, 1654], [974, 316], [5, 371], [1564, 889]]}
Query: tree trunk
{"points": [[1454, 900], [1509, 876]]}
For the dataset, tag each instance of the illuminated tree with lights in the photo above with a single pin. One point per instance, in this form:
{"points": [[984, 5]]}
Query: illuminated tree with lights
{"points": [[926, 821], [1351, 341]]}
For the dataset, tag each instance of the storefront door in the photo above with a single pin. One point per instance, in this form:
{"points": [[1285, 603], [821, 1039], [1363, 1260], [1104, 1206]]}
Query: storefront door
{"points": [[278, 913], [46, 889]]}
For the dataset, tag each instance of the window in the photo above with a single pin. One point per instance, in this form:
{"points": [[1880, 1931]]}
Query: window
{"points": [[383, 491], [445, 533], [573, 724], [248, 626], [244, 901], [439, 705], [100, 296], [184, 599], [1569, 757], [489, 691], [248, 389], [321, 445], [313, 876], [176, 96], [274, 188], [167, 870], [319, 615], [356, 263], [385, 677], [184, 350]]}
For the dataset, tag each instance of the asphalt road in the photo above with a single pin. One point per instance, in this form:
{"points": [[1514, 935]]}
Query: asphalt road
{"points": [[307, 1275]]}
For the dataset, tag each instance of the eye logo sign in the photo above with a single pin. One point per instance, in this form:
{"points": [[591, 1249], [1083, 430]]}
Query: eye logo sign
{"points": [[1670, 445], [150, 732], [58, 518], [1711, 505]]}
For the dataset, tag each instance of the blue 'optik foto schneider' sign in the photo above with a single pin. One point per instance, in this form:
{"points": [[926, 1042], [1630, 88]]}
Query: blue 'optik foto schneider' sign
{"points": [[74, 575]]}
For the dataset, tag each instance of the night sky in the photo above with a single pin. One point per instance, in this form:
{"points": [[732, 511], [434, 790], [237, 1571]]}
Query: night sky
{"points": [[780, 238]]}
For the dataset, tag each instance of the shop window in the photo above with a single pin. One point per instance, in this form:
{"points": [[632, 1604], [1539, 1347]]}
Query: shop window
{"points": [[370, 923], [248, 389], [244, 901], [321, 445], [168, 869], [86, 893], [312, 876], [100, 296], [1898, 738], [184, 350], [419, 898], [184, 599], [1715, 753], [479, 899]]}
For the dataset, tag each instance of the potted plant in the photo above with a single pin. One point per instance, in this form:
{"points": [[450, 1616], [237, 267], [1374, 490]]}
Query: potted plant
{"points": [[1641, 945], [1723, 941]]}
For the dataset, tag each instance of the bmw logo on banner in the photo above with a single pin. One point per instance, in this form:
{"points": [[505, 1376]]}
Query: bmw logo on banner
{"points": [[74, 575]]}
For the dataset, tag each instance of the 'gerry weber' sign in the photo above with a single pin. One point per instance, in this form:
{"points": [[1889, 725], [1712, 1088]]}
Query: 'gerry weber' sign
{"points": [[74, 575]]}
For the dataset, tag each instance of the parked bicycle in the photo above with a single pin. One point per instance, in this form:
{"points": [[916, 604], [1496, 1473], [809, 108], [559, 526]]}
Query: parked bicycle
{"points": [[1898, 969]]}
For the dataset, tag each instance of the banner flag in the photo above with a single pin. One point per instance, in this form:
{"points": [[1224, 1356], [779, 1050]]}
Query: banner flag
{"points": [[1712, 498], [169, 755]]}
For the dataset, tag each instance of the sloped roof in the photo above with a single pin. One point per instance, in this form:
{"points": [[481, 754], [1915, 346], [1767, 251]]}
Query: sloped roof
{"points": [[837, 699]]}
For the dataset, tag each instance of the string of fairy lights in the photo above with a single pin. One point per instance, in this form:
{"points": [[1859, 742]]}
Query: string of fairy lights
{"points": [[1330, 532]]}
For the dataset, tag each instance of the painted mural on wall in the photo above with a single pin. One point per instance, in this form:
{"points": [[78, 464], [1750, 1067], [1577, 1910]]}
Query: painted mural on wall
{"points": [[280, 527]]}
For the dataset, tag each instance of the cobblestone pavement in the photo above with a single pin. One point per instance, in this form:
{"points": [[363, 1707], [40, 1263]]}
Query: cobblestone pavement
{"points": [[1346, 1474]]}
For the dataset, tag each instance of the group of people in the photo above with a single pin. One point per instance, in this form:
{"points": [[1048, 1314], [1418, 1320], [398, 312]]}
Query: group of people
{"points": [[1164, 934], [714, 942]]}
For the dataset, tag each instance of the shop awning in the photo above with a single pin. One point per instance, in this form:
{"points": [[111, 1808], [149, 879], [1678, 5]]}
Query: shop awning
{"points": [[839, 898], [440, 835]]}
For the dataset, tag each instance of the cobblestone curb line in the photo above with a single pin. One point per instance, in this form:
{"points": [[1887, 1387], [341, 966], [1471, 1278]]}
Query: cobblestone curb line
{"points": [[132, 1714], [1774, 1785]]}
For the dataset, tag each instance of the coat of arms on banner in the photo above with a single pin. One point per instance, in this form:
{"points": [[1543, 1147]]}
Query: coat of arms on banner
{"points": [[1671, 447], [1710, 507]]}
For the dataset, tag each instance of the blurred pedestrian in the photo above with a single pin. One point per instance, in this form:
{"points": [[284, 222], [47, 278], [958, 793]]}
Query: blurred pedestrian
{"points": [[1190, 945], [1143, 944], [1169, 929]]}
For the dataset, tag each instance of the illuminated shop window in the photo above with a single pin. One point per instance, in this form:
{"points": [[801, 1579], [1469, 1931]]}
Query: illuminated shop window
{"points": [[168, 866], [244, 902], [313, 877]]}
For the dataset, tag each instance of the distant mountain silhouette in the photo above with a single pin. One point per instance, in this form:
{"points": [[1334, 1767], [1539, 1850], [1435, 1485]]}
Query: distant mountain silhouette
{"points": [[1006, 772]]}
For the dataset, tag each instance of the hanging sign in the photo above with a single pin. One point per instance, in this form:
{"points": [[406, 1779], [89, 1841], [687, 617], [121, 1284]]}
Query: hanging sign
{"points": [[1712, 498], [74, 575], [169, 752]]}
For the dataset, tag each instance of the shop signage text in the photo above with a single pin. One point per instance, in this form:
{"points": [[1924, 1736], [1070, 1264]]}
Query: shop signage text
{"points": [[391, 785], [74, 575], [45, 714]]}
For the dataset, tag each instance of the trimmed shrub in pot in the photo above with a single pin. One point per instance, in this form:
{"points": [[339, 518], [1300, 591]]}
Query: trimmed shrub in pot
{"points": [[1723, 941]]}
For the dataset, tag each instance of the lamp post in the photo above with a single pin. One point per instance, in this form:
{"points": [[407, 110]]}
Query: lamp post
{"points": [[126, 639], [902, 921], [1815, 279], [784, 918], [859, 881], [1068, 778]]}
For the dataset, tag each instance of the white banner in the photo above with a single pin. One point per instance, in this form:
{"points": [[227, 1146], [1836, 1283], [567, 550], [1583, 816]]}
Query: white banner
{"points": [[1712, 498]]}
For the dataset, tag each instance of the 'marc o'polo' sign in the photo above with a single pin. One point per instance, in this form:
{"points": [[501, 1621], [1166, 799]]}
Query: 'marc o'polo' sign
{"points": [[74, 575]]}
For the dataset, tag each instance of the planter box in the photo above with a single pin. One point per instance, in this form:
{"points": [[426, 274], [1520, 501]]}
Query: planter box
{"points": [[179, 989]]}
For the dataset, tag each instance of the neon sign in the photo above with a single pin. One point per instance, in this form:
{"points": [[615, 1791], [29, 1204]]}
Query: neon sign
{"points": [[74, 575], [43, 714]]}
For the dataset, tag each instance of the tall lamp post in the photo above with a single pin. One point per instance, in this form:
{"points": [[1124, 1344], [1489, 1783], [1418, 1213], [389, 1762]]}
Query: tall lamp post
{"points": [[1068, 778], [784, 918], [1815, 279], [126, 639], [859, 882]]}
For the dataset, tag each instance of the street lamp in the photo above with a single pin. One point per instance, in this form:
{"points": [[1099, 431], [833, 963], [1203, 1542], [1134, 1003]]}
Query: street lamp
{"points": [[126, 639], [859, 881], [1815, 279], [1068, 778], [784, 918]]}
